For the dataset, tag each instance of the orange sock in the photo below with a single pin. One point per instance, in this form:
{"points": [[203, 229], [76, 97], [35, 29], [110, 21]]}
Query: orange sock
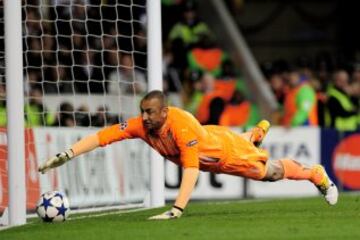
{"points": [[296, 171]]}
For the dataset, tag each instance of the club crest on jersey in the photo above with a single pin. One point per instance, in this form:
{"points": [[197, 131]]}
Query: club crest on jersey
{"points": [[123, 125], [192, 143]]}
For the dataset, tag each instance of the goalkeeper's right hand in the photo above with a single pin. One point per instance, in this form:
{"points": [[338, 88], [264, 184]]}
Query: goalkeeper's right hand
{"points": [[58, 160]]}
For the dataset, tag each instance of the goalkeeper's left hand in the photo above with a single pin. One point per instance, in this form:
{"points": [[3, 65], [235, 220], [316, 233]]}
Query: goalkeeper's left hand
{"points": [[174, 213], [259, 132]]}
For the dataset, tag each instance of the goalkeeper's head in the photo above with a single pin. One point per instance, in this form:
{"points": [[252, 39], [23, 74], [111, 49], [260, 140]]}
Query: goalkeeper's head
{"points": [[154, 109]]}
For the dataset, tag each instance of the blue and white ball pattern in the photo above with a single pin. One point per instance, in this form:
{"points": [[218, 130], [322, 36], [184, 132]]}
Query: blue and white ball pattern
{"points": [[53, 206]]}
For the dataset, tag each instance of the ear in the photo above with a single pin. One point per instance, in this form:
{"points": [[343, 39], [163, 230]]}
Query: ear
{"points": [[164, 112]]}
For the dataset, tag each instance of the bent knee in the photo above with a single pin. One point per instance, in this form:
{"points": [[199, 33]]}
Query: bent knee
{"points": [[274, 171]]}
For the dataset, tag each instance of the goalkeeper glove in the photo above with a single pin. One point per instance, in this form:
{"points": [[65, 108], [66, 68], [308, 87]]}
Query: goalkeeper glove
{"points": [[58, 160], [174, 213], [259, 132]]}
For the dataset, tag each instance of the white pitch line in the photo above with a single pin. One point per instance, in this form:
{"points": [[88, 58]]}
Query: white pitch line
{"points": [[98, 209], [119, 212]]}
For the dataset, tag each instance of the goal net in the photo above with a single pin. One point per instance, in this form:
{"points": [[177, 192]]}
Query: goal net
{"points": [[84, 68]]}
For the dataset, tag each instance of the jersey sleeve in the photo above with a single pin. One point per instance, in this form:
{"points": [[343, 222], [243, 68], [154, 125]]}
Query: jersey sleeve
{"points": [[125, 130]]}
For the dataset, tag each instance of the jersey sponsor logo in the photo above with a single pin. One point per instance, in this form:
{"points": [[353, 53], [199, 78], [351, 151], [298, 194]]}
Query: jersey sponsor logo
{"points": [[123, 125], [191, 143], [346, 162]]}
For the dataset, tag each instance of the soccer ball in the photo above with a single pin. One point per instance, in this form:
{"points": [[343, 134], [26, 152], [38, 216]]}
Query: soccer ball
{"points": [[53, 206]]}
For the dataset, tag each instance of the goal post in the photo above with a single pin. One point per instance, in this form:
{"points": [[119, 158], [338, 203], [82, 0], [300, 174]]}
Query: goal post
{"points": [[155, 82], [15, 112]]}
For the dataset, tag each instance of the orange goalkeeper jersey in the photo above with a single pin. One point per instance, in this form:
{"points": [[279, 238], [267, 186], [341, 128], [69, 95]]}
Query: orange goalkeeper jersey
{"points": [[183, 140]]}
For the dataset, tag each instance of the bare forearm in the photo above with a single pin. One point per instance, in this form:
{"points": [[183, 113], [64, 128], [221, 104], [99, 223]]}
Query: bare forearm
{"points": [[188, 182], [86, 144]]}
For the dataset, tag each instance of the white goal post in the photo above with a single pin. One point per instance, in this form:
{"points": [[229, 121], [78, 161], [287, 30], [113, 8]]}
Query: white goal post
{"points": [[15, 113], [155, 82]]}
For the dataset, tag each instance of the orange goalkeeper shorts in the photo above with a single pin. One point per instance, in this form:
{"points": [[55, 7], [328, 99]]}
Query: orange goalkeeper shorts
{"points": [[244, 159]]}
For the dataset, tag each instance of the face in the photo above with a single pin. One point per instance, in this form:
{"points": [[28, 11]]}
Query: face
{"points": [[293, 79], [36, 96], [208, 82], [153, 113], [356, 76], [189, 16], [342, 79], [126, 60], [276, 82]]}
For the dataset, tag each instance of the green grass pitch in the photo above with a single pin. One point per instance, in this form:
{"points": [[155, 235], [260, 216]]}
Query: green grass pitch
{"points": [[306, 218]]}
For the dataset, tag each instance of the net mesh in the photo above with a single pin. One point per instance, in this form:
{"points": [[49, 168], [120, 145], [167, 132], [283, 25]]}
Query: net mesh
{"points": [[80, 48], [84, 68]]}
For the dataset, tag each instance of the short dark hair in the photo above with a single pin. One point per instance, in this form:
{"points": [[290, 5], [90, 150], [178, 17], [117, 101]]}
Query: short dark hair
{"points": [[156, 94]]}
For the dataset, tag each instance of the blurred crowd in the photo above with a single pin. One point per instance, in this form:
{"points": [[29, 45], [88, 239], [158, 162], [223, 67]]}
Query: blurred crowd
{"points": [[100, 48], [36, 114], [323, 91]]}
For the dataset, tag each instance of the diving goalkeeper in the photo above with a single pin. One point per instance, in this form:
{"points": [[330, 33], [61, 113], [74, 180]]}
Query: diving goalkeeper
{"points": [[180, 138]]}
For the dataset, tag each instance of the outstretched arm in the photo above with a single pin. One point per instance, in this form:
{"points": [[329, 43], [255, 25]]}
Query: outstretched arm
{"points": [[107, 135], [84, 145], [188, 181]]}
